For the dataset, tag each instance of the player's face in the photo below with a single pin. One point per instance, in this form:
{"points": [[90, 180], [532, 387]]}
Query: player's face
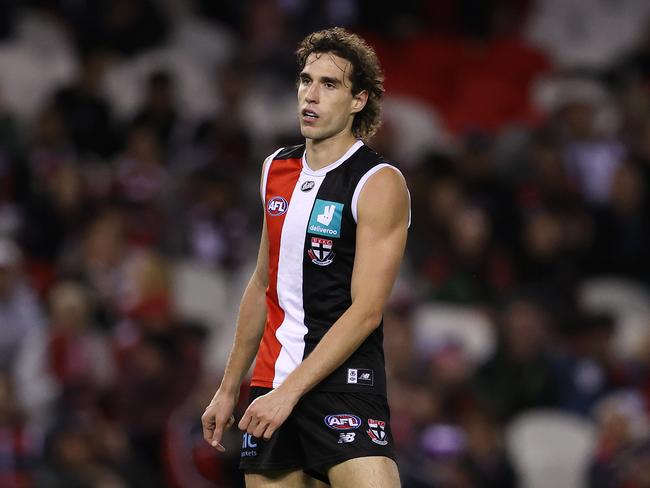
{"points": [[326, 106]]}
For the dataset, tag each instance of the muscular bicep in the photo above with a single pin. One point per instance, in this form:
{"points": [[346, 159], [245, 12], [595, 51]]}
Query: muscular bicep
{"points": [[382, 224]]}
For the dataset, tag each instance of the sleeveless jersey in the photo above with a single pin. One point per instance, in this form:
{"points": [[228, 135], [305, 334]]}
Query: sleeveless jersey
{"points": [[311, 224]]}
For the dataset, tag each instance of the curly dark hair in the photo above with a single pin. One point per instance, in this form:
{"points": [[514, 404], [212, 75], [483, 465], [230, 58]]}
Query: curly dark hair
{"points": [[366, 72]]}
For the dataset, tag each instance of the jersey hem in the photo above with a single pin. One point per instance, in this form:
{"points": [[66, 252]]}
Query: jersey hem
{"points": [[262, 383]]}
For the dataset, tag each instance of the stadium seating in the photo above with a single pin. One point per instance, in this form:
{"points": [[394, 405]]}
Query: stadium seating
{"points": [[550, 448]]}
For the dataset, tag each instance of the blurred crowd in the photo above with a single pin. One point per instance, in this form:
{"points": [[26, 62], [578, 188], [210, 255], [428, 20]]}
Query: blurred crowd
{"points": [[131, 137]]}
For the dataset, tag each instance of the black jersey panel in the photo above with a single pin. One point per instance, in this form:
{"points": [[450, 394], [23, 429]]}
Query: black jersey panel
{"points": [[330, 244]]}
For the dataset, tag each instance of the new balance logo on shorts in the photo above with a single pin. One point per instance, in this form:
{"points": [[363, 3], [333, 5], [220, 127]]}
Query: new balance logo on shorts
{"points": [[346, 437]]}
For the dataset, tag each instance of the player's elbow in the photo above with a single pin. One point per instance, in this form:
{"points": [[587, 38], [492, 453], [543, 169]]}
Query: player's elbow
{"points": [[371, 317]]}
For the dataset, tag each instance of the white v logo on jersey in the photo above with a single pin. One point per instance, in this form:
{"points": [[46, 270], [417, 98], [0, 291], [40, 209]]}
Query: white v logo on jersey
{"points": [[328, 214]]}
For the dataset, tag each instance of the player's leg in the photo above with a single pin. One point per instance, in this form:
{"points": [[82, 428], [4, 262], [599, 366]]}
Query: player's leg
{"points": [[347, 431], [282, 479], [276, 462], [365, 472]]}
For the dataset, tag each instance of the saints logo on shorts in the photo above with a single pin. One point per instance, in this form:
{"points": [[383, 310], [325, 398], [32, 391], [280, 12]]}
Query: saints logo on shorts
{"points": [[321, 251], [376, 432]]}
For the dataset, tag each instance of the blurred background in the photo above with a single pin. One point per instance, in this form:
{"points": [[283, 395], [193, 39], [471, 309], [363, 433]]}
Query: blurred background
{"points": [[131, 138]]}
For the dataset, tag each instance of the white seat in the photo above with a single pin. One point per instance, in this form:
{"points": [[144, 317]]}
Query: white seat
{"points": [[438, 322], [199, 292], [586, 33], [210, 296], [418, 128], [550, 448], [629, 303]]}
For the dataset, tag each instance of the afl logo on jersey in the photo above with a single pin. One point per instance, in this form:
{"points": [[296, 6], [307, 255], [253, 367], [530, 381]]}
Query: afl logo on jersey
{"points": [[277, 206]]}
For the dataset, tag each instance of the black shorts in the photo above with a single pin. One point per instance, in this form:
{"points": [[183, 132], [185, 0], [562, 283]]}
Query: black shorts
{"points": [[324, 429]]}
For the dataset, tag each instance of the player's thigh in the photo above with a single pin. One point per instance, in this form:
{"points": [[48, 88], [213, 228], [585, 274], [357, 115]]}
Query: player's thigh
{"points": [[282, 479], [365, 472]]}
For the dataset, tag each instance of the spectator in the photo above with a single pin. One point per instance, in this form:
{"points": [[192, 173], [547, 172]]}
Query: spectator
{"points": [[49, 149], [224, 142], [589, 369], [142, 182], [20, 312], [53, 219], [159, 112], [472, 268], [21, 444], [218, 226], [485, 456], [622, 241], [153, 381], [10, 152], [78, 356], [520, 375], [125, 27], [622, 455], [70, 460], [85, 111], [98, 260]]}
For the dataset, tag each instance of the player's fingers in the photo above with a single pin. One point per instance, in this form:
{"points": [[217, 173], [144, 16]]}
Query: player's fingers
{"points": [[215, 440], [259, 430], [270, 429], [245, 420], [208, 423]]}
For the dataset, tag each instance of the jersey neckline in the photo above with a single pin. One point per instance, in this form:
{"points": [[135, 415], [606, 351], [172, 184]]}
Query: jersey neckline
{"points": [[324, 170]]}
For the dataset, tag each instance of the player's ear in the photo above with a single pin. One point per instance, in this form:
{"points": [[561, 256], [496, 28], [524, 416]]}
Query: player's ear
{"points": [[359, 101]]}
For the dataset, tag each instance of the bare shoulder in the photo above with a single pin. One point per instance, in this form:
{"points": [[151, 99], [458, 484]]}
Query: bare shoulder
{"points": [[384, 197], [266, 165]]}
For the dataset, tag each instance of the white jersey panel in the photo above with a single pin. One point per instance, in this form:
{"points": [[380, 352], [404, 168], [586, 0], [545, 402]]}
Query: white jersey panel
{"points": [[291, 333]]}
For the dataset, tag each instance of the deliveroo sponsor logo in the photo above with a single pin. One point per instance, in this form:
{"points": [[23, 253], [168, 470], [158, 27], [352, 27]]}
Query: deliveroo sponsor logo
{"points": [[325, 218]]}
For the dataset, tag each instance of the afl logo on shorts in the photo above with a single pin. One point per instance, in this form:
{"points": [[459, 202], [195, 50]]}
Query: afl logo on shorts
{"points": [[343, 421], [277, 206]]}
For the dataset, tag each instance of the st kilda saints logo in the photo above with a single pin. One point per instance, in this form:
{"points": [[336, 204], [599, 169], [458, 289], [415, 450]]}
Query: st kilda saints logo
{"points": [[376, 431], [321, 252]]}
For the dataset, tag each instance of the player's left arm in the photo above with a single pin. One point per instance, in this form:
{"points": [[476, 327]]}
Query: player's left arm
{"points": [[382, 223]]}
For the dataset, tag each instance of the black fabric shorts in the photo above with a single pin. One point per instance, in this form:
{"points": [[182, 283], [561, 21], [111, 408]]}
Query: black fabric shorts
{"points": [[324, 429]]}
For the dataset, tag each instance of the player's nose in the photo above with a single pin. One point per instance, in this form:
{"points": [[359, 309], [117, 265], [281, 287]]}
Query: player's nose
{"points": [[312, 95]]}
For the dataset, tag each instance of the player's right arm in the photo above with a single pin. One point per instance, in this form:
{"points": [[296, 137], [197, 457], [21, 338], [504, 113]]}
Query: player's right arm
{"points": [[248, 334]]}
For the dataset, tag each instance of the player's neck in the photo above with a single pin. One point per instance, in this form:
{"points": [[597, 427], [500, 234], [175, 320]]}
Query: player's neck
{"points": [[322, 153]]}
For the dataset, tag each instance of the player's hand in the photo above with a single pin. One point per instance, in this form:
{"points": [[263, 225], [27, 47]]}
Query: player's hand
{"points": [[267, 413], [217, 418]]}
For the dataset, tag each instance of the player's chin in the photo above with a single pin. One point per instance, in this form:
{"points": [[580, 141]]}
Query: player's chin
{"points": [[307, 132], [314, 134]]}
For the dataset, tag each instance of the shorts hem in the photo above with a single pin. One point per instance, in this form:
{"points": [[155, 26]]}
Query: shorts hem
{"points": [[334, 460], [268, 466]]}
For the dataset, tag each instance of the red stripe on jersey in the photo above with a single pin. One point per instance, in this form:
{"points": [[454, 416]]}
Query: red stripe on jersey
{"points": [[281, 180]]}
